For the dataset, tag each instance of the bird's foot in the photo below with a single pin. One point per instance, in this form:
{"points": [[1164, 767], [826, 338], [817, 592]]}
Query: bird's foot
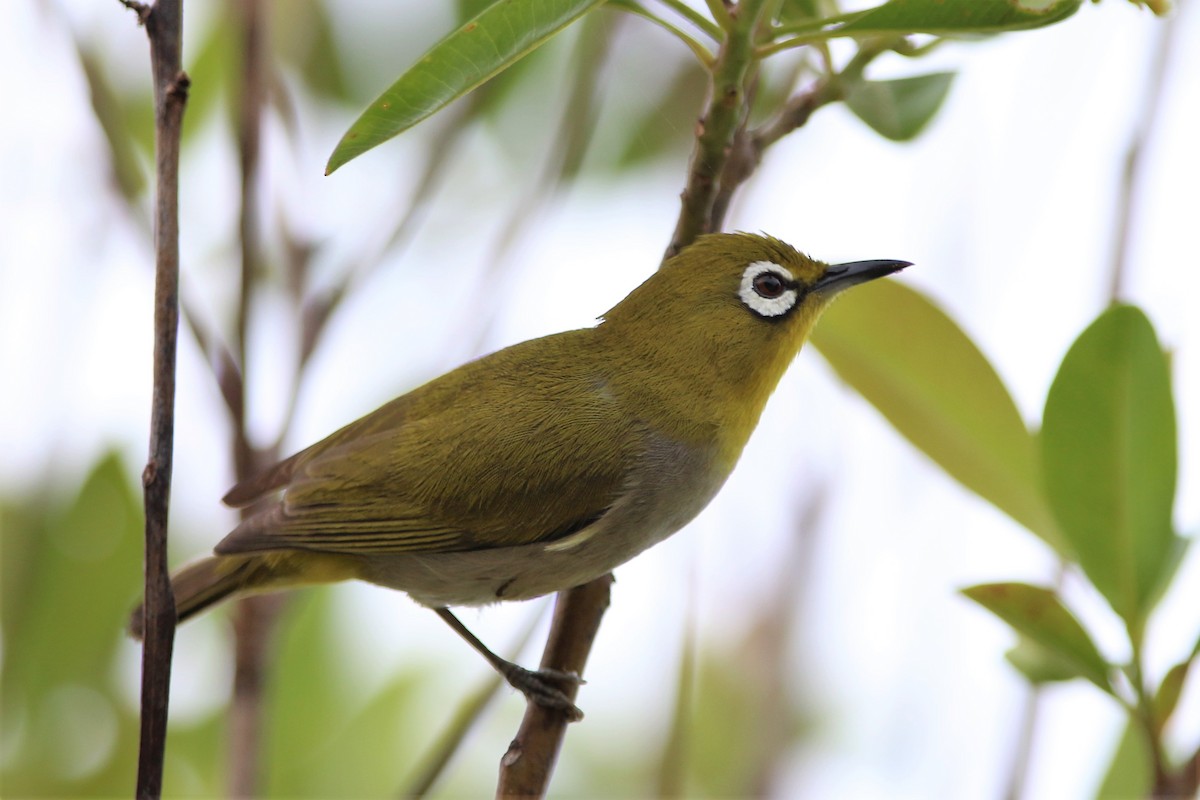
{"points": [[543, 687]]}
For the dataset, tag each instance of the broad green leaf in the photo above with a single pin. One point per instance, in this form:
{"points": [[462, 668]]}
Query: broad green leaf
{"points": [[497, 37], [906, 357], [1038, 614], [1039, 664], [899, 109], [951, 17], [1129, 773], [1108, 450]]}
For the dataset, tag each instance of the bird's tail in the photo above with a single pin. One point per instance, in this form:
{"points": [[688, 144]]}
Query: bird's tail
{"points": [[211, 580], [198, 586]]}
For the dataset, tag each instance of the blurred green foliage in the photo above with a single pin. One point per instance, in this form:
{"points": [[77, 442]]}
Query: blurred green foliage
{"points": [[68, 568]]}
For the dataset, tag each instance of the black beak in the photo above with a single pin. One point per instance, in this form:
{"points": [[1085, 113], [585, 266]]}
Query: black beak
{"points": [[843, 276]]}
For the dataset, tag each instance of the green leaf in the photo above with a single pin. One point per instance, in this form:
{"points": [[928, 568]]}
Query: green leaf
{"points": [[1129, 773], [950, 17], [906, 357], [899, 109], [1038, 613], [490, 42], [1108, 448], [1171, 688], [70, 575], [1169, 692], [1039, 664]]}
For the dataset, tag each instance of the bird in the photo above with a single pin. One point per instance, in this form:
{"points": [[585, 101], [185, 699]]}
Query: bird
{"points": [[546, 464]]}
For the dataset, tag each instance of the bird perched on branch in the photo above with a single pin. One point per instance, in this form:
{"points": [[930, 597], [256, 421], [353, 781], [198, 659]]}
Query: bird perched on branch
{"points": [[546, 464]]}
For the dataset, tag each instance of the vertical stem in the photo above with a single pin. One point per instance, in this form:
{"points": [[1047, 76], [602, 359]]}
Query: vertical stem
{"points": [[1019, 773], [726, 113], [1144, 713], [1131, 171], [164, 26], [253, 616]]}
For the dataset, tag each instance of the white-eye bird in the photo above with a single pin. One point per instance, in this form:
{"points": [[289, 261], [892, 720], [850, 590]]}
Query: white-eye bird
{"points": [[546, 464]]}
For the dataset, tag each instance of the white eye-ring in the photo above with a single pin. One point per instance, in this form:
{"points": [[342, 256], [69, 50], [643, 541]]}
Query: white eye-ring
{"points": [[768, 289]]}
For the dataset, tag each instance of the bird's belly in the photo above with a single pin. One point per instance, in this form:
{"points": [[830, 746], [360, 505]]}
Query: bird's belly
{"points": [[675, 485]]}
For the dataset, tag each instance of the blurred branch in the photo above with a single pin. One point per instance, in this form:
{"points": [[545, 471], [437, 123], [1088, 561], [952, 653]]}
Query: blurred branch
{"points": [[1186, 782], [319, 307], [220, 360], [253, 617], [526, 768], [1018, 774], [1147, 121], [569, 144], [164, 27]]}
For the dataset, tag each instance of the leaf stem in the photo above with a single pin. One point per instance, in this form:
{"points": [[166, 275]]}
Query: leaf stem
{"points": [[721, 14], [1143, 712], [696, 18], [700, 51]]}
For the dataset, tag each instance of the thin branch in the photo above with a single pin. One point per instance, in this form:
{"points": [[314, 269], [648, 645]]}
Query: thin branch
{"points": [[526, 768], [700, 51], [164, 27], [1018, 774], [1131, 173], [702, 22]]}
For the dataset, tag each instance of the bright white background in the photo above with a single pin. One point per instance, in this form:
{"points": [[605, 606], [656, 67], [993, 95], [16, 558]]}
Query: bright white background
{"points": [[1006, 206]]}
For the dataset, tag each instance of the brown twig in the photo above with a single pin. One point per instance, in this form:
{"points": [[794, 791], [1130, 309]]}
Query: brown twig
{"points": [[164, 27], [526, 768]]}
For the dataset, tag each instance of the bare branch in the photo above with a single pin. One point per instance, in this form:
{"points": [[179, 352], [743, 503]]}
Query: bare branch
{"points": [[164, 27], [526, 768]]}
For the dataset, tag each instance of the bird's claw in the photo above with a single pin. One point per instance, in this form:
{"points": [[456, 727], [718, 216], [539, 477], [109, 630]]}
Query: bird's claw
{"points": [[540, 687]]}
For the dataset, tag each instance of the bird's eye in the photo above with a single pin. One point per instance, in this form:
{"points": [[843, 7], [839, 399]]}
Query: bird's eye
{"points": [[768, 285], [768, 290]]}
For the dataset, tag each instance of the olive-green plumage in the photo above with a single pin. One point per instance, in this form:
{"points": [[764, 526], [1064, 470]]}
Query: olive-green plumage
{"points": [[546, 464]]}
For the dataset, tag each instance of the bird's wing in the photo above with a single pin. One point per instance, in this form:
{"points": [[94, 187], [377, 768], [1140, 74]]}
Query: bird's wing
{"points": [[549, 456]]}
